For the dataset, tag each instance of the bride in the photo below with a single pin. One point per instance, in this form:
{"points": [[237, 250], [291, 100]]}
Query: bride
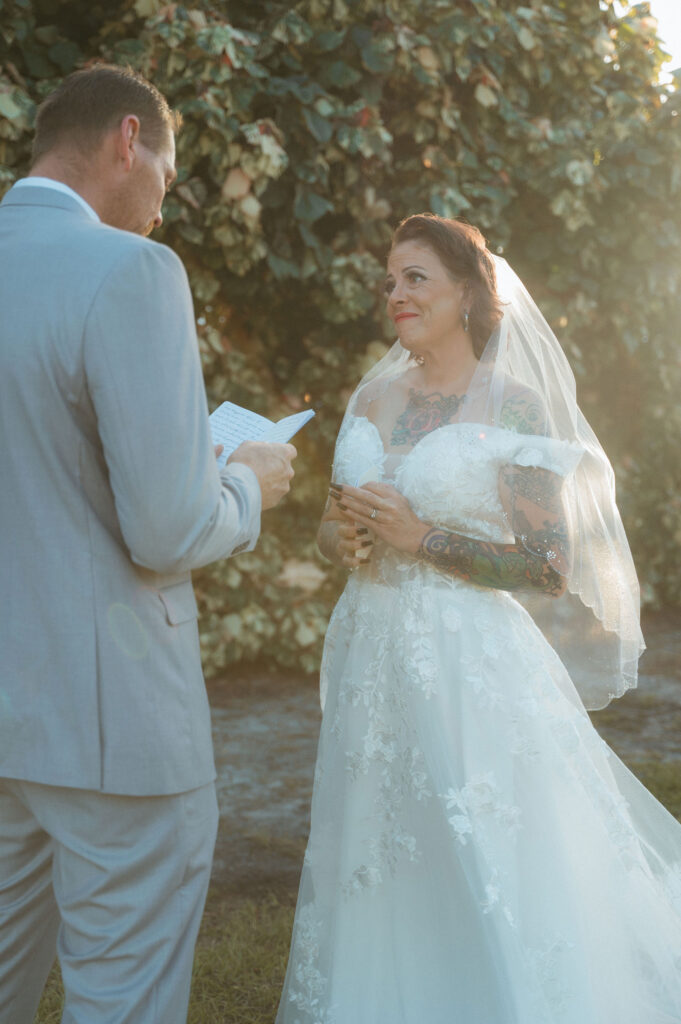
{"points": [[477, 854]]}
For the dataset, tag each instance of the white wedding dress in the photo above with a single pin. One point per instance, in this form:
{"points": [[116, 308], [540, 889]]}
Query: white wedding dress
{"points": [[478, 854]]}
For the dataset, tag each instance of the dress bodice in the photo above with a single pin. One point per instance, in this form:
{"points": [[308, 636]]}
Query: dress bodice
{"points": [[450, 477]]}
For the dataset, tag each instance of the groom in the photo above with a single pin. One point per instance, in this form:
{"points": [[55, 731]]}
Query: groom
{"points": [[109, 496]]}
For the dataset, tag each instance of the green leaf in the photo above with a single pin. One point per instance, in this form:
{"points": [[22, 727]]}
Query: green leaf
{"points": [[317, 125], [377, 61], [282, 268], [309, 206], [292, 29], [37, 64], [340, 74], [65, 55], [8, 108], [147, 8], [47, 34], [448, 202], [190, 233], [526, 38], [329, 39]]}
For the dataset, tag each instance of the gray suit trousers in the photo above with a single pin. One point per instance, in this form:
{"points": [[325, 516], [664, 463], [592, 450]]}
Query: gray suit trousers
{"points": [[93, 872]]}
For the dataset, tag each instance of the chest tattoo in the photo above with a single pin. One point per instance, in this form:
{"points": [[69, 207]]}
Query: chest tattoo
{"points": [[423, 414]]}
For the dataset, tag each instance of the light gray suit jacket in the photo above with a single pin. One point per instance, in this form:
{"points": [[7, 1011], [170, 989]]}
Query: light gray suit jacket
{"points": [[109, 496]]}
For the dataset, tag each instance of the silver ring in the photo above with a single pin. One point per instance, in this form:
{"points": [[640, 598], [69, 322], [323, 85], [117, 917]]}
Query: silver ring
{"points": [[373, 514]]}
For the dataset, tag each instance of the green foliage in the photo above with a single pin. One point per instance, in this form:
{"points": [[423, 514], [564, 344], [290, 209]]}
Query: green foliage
{"points": [[310, 129]]}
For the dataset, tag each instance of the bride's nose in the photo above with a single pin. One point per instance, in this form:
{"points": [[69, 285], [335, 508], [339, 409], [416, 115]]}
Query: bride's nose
{"points": [[397, 296]]}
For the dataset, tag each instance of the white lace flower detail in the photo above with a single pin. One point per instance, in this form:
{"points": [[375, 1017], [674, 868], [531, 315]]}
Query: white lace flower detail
{"points": [[308, 987], [492, 893], [529, 457], [363, 877], [481, 796], [546, 961], [451, 619], [461, 827]]}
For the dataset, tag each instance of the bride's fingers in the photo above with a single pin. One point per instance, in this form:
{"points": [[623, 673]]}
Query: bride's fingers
{"points": [[379, 490], [355, 511], [367, 494], [352, 549], [353, 507], [353, 538], [351, 561], [346, 502], [363, 519]]}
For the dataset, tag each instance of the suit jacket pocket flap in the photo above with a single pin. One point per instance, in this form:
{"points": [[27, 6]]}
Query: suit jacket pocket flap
{"points": [[179, 603]]}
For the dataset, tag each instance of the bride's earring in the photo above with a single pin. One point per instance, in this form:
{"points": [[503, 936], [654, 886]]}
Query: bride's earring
{"points": [[465, 320]]}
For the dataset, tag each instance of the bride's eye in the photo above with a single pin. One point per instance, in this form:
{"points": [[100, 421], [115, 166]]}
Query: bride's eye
{"points": [[414, 277], [388, 286]]}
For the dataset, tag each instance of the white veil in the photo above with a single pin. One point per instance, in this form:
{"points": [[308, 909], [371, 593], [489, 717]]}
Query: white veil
{"points": [[594, 627]]}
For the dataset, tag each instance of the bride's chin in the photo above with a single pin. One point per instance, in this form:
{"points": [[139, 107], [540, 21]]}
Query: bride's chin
{"points": [[412, 348]]}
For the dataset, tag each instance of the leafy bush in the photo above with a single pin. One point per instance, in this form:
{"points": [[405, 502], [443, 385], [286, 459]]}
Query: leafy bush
{"points": [[311, 129]]}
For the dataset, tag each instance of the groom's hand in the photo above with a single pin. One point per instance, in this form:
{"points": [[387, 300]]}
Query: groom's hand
{"points": [[271, 463]]}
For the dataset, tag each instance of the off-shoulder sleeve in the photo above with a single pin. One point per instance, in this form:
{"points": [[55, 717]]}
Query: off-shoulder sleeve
{"points": [[359, 455], [560, 457]]}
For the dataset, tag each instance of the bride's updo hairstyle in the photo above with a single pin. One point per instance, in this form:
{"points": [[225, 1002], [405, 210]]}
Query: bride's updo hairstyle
{"points": [[461, 249]]}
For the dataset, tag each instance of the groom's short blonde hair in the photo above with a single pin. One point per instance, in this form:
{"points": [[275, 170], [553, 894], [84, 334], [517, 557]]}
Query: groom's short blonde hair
{"points": [[92, 102]]}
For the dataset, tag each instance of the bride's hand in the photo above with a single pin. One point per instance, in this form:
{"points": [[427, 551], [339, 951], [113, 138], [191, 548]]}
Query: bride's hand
{"points": [[382, 509], [354, 545]]}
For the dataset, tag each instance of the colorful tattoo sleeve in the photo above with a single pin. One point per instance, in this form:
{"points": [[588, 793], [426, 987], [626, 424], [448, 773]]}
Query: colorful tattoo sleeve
{"points": [[539, 558], [500, 566]]}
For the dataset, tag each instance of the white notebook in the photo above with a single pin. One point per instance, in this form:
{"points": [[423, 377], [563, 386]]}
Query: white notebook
{"points": [[231, 424]]}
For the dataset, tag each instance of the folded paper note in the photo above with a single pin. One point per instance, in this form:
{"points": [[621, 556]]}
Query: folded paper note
{"points": [[231, 424]]}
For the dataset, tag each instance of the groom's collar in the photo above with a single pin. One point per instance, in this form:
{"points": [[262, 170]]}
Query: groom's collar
{"points": [[46, 192]]}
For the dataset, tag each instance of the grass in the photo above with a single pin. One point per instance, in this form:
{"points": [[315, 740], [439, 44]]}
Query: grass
{"points": [[243, 943], [240, 961], [663, 779]]}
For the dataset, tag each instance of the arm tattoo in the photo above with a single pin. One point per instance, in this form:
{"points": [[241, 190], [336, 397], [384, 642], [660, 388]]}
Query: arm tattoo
{"points": [[423, 414], [535, 511], [500, 566], [548, 540], [539, 557], [524, 414], [541, 487]]}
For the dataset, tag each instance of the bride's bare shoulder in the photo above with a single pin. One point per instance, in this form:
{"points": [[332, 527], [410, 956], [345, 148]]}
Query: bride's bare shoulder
{"points": [[382, 393]]}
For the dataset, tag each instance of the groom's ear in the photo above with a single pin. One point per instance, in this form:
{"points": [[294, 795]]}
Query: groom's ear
{"points": [[127, 140]]}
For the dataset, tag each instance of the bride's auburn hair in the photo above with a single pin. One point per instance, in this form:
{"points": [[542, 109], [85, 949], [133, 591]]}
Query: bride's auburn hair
{"points": [[461, 249]]}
